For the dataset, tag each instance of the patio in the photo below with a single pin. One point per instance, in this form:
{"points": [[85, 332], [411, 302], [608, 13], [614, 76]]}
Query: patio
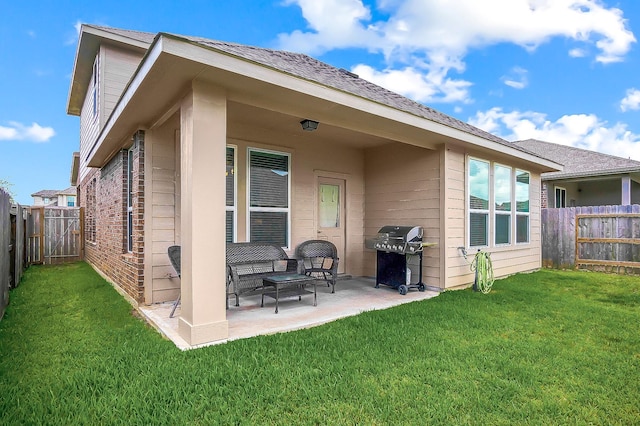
{"points": [[352, 297]]}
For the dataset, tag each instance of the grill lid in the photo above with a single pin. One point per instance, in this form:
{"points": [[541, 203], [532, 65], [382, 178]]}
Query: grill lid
{"points": [[404, 233], [397, 239]]}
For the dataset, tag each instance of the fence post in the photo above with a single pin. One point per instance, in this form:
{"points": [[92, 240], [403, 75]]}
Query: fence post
{"points": [[5, 243]]}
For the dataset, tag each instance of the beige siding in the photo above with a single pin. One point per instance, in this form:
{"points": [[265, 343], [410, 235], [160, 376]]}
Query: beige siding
{"points": [[89, 128], [405, 194], [116, 67], [506, 260], [161, 148]]}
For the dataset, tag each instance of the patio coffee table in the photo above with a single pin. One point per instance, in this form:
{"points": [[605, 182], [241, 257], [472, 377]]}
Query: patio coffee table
{"points": [[287, 285]]}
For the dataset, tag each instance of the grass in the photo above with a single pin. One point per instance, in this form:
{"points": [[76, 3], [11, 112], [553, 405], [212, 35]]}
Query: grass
{"points": [[551, 347]]}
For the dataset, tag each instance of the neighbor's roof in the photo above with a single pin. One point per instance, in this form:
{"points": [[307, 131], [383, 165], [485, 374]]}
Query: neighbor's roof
{"points": [[308, 68], [69, 191], [46, 193], [50, 193], [578, 162]]}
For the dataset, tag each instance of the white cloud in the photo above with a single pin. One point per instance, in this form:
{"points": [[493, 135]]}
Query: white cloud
{"points": [[518, 78], [432, 86], [580, 130], [578, 53], [73, 38], [19, 132], [431, 38], [334, 23], [631, 101]]}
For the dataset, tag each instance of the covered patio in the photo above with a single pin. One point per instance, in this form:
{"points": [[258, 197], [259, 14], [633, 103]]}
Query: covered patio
{"points": [[352, 297]]}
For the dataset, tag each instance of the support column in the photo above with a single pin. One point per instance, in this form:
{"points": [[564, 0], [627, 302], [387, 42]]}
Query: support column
{"points": [[203, 117], [626, 190]]}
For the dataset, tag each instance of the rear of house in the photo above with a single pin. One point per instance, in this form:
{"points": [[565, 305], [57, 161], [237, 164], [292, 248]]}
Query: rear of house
{"points": [[197, 142]]}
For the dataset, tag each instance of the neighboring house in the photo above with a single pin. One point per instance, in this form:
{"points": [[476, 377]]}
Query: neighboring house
{"points": [[589, 178], [55, 197], [196, 142]]}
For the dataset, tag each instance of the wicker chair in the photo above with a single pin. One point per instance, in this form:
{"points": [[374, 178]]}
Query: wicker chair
{"points": [[174, 257], [319, 258]]}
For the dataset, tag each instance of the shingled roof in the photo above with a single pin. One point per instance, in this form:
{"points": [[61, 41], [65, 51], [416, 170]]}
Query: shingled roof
{"points": [[578, 162], [308, 68], [51, 193], [46, 193]]}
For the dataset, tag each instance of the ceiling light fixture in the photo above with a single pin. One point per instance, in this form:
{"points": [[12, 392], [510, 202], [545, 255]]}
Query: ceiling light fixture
{"points": [[309, 125]]}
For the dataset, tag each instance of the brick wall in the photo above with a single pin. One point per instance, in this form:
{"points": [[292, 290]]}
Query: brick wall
{"points": [[109, 214], [543, 196]]}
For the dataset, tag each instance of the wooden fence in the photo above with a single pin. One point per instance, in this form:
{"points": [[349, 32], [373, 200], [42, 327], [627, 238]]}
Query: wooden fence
{"points": [[602, 238], [35, 235], [12, 247], [5, 246], [55, 235]]}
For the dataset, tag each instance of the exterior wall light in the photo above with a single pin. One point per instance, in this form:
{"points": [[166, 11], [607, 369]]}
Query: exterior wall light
{"points": [[309, 125]]}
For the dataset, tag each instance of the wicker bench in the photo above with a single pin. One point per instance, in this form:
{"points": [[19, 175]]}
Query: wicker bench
{"points": [[249, 263]]}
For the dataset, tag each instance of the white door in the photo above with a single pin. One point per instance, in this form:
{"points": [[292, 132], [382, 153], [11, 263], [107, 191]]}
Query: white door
{"points": [[331, 223]]}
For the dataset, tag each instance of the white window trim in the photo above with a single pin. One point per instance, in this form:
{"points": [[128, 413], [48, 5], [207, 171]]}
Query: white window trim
{"points": [[468, 208], [492, 205], [268, 209], [555, 197], [234, 208], [492, 211], [129, 201], [517, 213], [95, 78]]}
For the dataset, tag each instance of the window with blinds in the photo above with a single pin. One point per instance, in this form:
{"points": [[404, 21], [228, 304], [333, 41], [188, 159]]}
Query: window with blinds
{"points": [[231, 195], [522, 206], [478, 202], [269, 186], [502, 204], [129, 173], [507, 204]]}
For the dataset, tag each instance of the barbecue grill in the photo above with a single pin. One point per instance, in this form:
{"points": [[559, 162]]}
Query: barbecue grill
{"points": [[395, 245]]}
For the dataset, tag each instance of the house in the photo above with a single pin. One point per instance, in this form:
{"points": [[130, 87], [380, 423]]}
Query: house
{"points": [[55, 197], [589, 178], [197, 142]]}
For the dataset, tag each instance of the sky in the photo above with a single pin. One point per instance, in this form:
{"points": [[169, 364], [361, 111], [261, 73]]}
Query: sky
{"points": [[563, 71]]}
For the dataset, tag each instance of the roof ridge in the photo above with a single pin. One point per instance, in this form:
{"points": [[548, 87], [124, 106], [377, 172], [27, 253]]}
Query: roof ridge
{"points": [[575, 148]]}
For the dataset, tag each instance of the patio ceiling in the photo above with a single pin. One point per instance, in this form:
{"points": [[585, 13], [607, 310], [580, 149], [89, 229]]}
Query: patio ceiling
{"points": [[256, 124]]}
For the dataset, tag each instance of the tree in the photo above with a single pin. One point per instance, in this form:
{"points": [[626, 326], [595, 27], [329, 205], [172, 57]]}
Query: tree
{"points": [[6, 186]]}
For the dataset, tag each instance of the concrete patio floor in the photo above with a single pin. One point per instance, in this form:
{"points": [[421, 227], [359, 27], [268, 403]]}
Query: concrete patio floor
{"points": [[353, 296]]}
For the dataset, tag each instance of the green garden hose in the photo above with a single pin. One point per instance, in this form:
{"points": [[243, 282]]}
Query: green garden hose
{"points": [[481, 265]]}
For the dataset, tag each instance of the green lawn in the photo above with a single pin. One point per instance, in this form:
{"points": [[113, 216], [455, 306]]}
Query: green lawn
{"points": [[545, 348]]}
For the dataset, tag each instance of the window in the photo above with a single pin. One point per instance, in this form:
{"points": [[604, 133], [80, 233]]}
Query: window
{"points": [[509, 206], [522, 206], [90, 213], [130, 188], [95, 86], [478, 203], [561, 197], [269, 186], [231, 195], [71, 201], [502, 204]]}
